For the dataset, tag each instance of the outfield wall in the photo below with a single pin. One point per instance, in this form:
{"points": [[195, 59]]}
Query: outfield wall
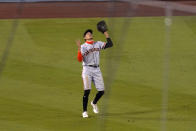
{"points": [[70, 0]]}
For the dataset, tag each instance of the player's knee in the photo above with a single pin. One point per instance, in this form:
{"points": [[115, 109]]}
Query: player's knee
{"points": [[101, 92], [86, 93]]}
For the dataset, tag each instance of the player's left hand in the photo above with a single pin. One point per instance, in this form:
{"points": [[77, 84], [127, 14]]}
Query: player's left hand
{"points": [[102, 26]]}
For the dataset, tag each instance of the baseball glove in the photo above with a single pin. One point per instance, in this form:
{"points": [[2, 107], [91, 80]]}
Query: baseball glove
{"points": [[101, 26]]}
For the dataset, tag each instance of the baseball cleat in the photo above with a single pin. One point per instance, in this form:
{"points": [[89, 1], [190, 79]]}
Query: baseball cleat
{"points": [[95, 108], [85, 114]]}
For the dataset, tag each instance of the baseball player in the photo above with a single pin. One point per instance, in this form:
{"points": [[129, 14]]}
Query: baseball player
{"points": [[88, 54]]}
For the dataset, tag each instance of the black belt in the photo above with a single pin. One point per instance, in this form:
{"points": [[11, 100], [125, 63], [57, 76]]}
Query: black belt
{"points": [[93, 66]]}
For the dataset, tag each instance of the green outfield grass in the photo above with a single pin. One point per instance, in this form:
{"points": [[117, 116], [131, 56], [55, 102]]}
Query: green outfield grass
{"points": [[41, 86]]}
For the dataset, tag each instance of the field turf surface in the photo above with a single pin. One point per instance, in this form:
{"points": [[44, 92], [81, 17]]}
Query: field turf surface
{"points": [[41, 87]]}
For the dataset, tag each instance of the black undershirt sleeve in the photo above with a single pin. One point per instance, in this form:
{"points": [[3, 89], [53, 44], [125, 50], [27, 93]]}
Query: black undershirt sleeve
{"points": [[109, 43]]}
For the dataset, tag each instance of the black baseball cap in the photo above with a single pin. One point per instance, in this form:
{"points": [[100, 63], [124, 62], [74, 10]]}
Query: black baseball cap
{"points": [[88, 30]]}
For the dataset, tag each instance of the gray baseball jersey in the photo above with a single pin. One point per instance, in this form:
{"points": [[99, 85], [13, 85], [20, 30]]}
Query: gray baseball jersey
{"points": [[91, 53]]}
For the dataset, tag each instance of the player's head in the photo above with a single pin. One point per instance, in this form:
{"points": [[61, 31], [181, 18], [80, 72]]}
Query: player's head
{"points": [[88, 35]]}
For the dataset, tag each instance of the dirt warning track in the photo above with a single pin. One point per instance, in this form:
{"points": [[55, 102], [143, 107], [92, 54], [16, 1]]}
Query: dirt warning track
{"points": [[82, 10]]}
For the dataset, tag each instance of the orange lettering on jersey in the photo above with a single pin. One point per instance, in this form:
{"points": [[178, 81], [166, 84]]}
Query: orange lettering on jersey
{"points": [[91, 50]]}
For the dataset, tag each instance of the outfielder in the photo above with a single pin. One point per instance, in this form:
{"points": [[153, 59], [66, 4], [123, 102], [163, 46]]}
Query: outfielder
{"points": [[88, 53]]}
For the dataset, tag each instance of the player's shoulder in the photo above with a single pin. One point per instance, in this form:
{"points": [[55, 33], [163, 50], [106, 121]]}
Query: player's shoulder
{"points": [[99, 42], [83, 45]]}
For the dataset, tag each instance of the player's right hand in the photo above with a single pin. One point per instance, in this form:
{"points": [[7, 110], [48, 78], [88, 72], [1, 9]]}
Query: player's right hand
{"points": [[78, 43]]}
